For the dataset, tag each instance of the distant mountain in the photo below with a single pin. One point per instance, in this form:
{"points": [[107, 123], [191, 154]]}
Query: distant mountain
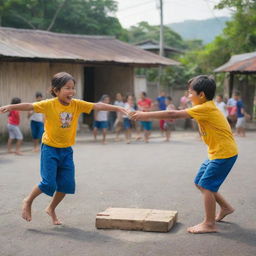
{"points": [[206, 30]]}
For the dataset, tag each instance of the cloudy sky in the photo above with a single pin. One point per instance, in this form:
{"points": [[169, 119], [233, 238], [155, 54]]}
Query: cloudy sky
{"points": [[133, 11]]}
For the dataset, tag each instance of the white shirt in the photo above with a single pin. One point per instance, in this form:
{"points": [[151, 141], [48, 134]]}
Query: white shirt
{"points": [[222, 107], [37, 117], [128, 107], [102, 116], [231, 102]]}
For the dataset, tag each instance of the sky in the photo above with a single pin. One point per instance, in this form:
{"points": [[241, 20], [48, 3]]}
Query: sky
{"points": [[132, 12]]}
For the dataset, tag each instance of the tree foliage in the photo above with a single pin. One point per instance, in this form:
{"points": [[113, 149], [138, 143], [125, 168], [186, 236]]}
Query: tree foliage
{"points": [[144, 31], [92, 17]]}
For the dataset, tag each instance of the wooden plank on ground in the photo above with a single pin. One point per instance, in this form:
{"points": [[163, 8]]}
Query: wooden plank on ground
{"points": [[136, 219]]}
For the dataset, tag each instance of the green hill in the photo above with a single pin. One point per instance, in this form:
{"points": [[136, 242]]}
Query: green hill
{"points": [[206, 30]]}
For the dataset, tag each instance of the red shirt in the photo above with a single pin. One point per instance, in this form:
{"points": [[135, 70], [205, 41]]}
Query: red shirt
{"points": [[14, 117], [145, 105]]}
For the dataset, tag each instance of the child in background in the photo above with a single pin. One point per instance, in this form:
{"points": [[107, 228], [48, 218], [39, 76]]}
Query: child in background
{"points": [[221, 105], [61, 118], [129, 106], [145, 105], [101, 120], [119, 117], [169, 124], [14, 129], [231, 109], [241, 115], [222, 149], [36, 124]]}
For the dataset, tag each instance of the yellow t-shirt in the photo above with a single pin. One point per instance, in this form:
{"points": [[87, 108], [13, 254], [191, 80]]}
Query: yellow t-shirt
{"points": [[61, 121], [215, 130]]}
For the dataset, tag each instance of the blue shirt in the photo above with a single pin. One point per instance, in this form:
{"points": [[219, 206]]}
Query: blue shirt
{"points": [[161, 102], [239, 106]]}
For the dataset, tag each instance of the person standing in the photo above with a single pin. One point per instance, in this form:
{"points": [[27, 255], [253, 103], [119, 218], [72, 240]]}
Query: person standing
{"points": [[241, 114], [36, 124], [101, 120], [221, 105], [145, 105], [161, 103], [14, 129], [119, 117]]}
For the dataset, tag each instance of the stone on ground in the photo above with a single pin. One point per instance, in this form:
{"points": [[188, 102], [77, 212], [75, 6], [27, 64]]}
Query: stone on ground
{"points": [[136, 219]]}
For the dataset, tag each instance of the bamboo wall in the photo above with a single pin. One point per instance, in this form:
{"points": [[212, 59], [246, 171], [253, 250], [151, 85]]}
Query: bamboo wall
{"points": [[24, 79]]}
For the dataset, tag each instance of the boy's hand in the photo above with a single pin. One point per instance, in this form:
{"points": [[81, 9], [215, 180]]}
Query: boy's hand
{"points": [[123, 111], [247, 116], [5, 109], [136, 115]]}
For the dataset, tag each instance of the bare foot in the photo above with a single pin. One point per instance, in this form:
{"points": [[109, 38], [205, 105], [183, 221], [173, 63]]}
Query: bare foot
{"points": [[223, 213], [52, 214], [26, 210], [10, 151], [35, 150], [202, 228], [18, 153]]}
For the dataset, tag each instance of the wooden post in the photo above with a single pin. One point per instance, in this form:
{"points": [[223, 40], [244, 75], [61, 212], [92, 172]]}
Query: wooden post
{"points": [[231, 84]]}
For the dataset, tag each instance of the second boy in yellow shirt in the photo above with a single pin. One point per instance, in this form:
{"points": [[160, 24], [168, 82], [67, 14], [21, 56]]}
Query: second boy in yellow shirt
{"points": [[222, 149]]}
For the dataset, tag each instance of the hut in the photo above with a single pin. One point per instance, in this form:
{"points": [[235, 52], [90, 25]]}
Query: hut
{"points": [[242, 70], [100, 65]]}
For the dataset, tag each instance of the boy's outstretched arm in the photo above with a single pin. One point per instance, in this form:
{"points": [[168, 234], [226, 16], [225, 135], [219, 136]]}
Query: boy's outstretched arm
{"points": [[21, 107], [108, 107], [165, 115]]}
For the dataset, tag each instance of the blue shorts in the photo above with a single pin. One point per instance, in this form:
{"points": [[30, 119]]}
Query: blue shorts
{"points": [[147, 125], [101, 124], [37, 129], [212, 173], [57, 170], [127, 123]]}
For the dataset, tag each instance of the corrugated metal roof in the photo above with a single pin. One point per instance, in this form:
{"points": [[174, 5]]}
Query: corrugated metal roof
{"points": [[42, 45], [154, 45], [241, 63]]}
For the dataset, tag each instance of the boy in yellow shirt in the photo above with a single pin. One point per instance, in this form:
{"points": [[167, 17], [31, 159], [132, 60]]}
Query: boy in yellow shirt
{"points": [[61, 118], [222, 149]]}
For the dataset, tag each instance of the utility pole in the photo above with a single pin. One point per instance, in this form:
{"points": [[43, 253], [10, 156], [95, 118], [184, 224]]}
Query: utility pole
{"points": [[161, 42], [161, 45]]}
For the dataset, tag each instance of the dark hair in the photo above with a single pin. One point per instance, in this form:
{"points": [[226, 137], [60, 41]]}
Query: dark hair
{"points": [[59, 80], [237, 93], [39, 94], [144, 94], [205, 84], [16, 100], [169, 98], [103, 97], [221, 96], [127, 96]]}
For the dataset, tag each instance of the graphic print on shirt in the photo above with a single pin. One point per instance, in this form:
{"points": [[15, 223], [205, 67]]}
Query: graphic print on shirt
{"points": [[66, 119]]}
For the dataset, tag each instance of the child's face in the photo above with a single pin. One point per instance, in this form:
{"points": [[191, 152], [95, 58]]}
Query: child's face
{"points": [[119, 97], [219, 99], [39, 98], [236, 97], [167, 102], [66, 93], [130, 100], [106, 100], [195, 98]]}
